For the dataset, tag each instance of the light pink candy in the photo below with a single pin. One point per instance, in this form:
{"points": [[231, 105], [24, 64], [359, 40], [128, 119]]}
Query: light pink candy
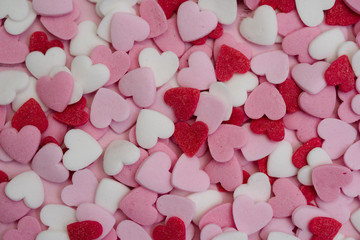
{"points": [[230, 41], [222, 215], [120, 127], [27, 229], [52, 7], [338, 209], [129, 230], [304, 124], [288, 22], [354, 5], [185, 57], [11, 49], [3, 112], [151, 12]]}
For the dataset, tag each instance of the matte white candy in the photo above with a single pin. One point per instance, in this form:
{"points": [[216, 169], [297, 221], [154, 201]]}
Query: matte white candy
{"points": [[281, 236], [355, 62], [225, 10], [53, 235], [348, 48], [220, 90], [231, 235], [17, 27], [17, 10], [355, 219], [279, 163], [106, 6], [258, 188], [311, 12], [57, 216], [11, 82]]}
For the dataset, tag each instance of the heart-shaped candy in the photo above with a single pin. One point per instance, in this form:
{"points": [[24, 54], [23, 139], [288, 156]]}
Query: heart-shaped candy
{"points": [[73, 115], [27, 229], [11, 82], [257, 187], [85, 230], [19, 50], [128, 230], [324, 227], [312, 13], [53, 7], [39, 42]]}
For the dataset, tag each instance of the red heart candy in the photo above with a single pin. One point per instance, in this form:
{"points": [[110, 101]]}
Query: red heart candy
{"points": [[230, 61], [237, 117], [30, 113], [170, 6], [274, 129], [217, 32], [39, 42], [283, 5], [290, 93], [341, 73], [48, 139], [73, 115], [190, 138], [3, 177], [183, 101], [85, 230], [340, 14], [200, 41], [309, 193], [174, 230], [324, 228], [262, 164], [299, 157]]}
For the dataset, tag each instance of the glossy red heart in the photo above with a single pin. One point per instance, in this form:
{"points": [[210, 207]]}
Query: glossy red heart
{"points": [[190, 138], [30, 113], [290, 93], [73, 115], [173, 230], [274, 129], [230, 61], [3, 177], [341, 73], [299, 157], [324, 228], [170, 6], [85, 230], [183, 101], [283, 5], [39, 42], [340, 14]]}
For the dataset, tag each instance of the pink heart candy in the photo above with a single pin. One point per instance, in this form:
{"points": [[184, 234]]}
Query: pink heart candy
{"points": [[230, 41], [2, 116], [354, 5], [188, 176], [252, 4], [352, 156], [288, 22], [52, 7], [250, 217], [56, 92], [82, 189], [200, 74], [151, 12], [185, 57], [117, 62], [127, 28], [304, 214], [265, 99], [221, 215], [210, 231], [140, 84], [20, 146], [353, 189], [12, 51], [120, 127], [193, 23], [108, 106], [27, 229], [338, 209], [345, 111], [277, 225], [46, 163], [55, 129], [304, 124], [128, 230]]}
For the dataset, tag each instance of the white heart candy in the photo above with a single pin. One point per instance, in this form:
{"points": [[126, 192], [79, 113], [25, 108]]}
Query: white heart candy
{"points": [[86, 39], [83, 150], [239, 85], [118, 154], [311, 12], [109, 193], [152, 125], [106, 6], [280, 161], [221, 91], [339, 236], [17, 27], [355, 219], [90, 77], [348, 48], [281, 236], [225, 10], [164, 66], [11, 82], [258, 188], [231, 235], [262, 28], [57, 216], [17, 10], [53, 235], [355, 63], [27, 186], [41, 65], [325, 45]]}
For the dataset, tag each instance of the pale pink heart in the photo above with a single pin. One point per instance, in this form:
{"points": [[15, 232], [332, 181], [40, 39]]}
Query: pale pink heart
{"points": [[176, 206], [287, 197], [277, 225], [274, 65], [193, 23], [10, 211], [288, 22], [353, 189], [151, 12], [304, 125], [304, 214], [210, 231], [127, 28], [229, 40], [225, 140], [337, 135], [117, 62], [171, 40], [252, 4], [27, 229], [228, 174], [352, 156], [93, 212], [20, 146], [338, 209], [265, 99], [154, 173], [345, 111], [258, 145], [46, 163], [354, 5], [310, 78], [188, 176], [320, 105], [3, 112], [95, 132], [328, 179], [55, 92], [135, 52], [108, 106], [185, 57], [63, 27], [159, 104], [140, 84], [210, 110], [138, 206], [200, 74], [120, 127], [55, 129], [164, 145], [112, 235], [3, 156], [129, 230], [82, 189], [297, 43], [250, 217], [52, 7], [12, 51], [221, 215]]}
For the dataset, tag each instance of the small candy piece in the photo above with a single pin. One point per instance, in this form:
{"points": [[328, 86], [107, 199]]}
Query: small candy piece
{"points": [[11, 83], [230, 61], [285, 6], [290, 93], [309, 193], [263, 167], [85, 230], [173, 230], [279, 162], [152, 12], [12, 50], [311, 13], [39, 42], [340, 73], [53, 7], [73, 115], [130, 230], [324, 228], [274, 129], [299, 157], [217, 32], [226, 11], [237, 117], [340, 14], [27, 228], [257, 187], [30, 113], [170, 6], [3, 177]]}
